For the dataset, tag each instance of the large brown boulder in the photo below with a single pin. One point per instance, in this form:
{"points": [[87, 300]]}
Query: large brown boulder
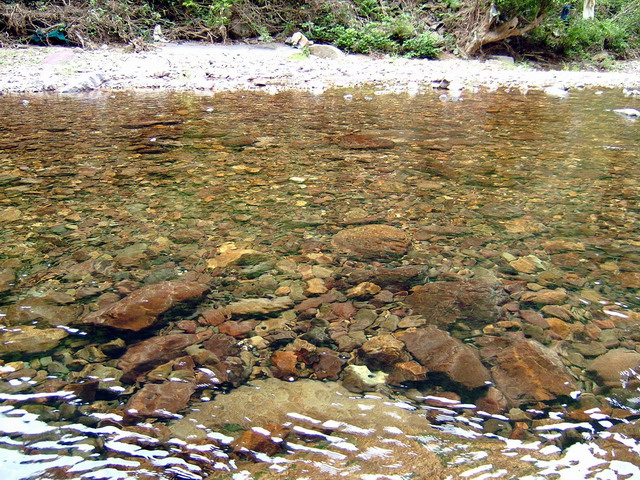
{"points": [[141, 308], [440, 352], [383, 351], [359, 141], [31, 309], [525, 371], [162, 400], [614, 367], [150, 353], [30, 339], [372, 242], [446, 302], [400, 278]]}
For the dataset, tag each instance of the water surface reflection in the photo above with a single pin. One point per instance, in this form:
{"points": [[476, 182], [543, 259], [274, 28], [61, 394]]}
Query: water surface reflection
{"points": [[261, 237]]}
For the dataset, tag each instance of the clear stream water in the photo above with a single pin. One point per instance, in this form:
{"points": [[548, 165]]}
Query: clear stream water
{"points": [[103, 194]]}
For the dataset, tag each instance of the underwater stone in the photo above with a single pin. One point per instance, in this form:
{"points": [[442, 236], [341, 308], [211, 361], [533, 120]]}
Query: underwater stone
{"points": [[29, 339], [440, 352], [141, 308], [372, 242]]}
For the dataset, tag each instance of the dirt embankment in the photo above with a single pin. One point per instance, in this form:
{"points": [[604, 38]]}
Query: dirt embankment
{"points": [[272, 67]]}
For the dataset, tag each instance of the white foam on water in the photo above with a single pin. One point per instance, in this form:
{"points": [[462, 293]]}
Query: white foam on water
{"points": [[314, 433], [22, 422], [164, 462], [134, 450], [393, 430], [375, 452], [347, 446], [305, 418], [110, 473], [475, 471], [328, 453], [23, 397], [368, 476], [15, 465], [86, 465]]}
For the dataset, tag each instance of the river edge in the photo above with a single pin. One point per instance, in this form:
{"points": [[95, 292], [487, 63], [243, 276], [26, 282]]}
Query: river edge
{"points": [[274, 67]]}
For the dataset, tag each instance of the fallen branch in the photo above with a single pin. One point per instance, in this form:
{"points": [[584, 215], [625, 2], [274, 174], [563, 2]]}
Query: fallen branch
{"points": [[485, 31]]}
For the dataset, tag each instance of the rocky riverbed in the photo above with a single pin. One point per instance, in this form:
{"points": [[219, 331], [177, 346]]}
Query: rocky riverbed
{"points": [[255, 284], [272, 68]]}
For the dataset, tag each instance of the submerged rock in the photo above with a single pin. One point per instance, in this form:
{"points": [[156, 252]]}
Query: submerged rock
{"points": [[358, 141], [359, 379], [239, 141], [141, 309], [525, 371], [40, 309], [150, 353], [439, 352], [400, 278], [616, 368], [272, 401], [7, 279], [268, 439], [236, 256], [446, 302], [258, 306], [30, 339], [383, 351], [404, 372], [372, 242], [162, 400], [545, 296]]}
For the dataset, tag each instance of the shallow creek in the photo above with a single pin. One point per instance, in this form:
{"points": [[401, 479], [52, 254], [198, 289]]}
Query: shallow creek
{"points": [[294, 286]]}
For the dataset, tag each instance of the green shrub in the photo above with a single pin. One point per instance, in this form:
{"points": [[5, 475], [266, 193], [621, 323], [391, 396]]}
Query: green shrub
{"points": [[615, 29], [399, 33], [422, 46]]}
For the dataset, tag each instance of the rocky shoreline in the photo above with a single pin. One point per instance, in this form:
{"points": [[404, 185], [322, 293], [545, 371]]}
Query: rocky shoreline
{"points": [[272, 68]]}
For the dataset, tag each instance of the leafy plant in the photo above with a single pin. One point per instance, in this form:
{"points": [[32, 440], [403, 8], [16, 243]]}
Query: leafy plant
{"points": [[423, 46]]}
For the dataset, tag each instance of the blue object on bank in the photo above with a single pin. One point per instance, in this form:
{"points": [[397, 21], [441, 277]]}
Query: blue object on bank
{"points": [[566, 10], [56, 36]]}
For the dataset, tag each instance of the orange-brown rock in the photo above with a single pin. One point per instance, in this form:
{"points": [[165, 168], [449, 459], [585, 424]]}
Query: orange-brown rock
{"points": [[440, 352], [358, 141], [214, 317], [372, 242], [141, 308], [562, 330], [381, 352], [407, 372], [268, 440], [445, 302], [493, 401], [520, 431], [629, 279], [284, 364], [161, 400], [525, 371], [328, 365], [150, 353], [239, 141], [343, 310], [615, 368], [545, 296], [237, 329]]}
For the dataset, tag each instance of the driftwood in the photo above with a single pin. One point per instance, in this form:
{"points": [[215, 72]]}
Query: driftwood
{"points": [[485, 30]]}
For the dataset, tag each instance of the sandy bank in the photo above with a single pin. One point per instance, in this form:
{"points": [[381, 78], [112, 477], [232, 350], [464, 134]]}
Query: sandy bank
{"points": [[270, 67]]}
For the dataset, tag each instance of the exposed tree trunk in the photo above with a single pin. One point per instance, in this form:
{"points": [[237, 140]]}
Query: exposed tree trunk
{"points": [[589, 9], [484, 33]]}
